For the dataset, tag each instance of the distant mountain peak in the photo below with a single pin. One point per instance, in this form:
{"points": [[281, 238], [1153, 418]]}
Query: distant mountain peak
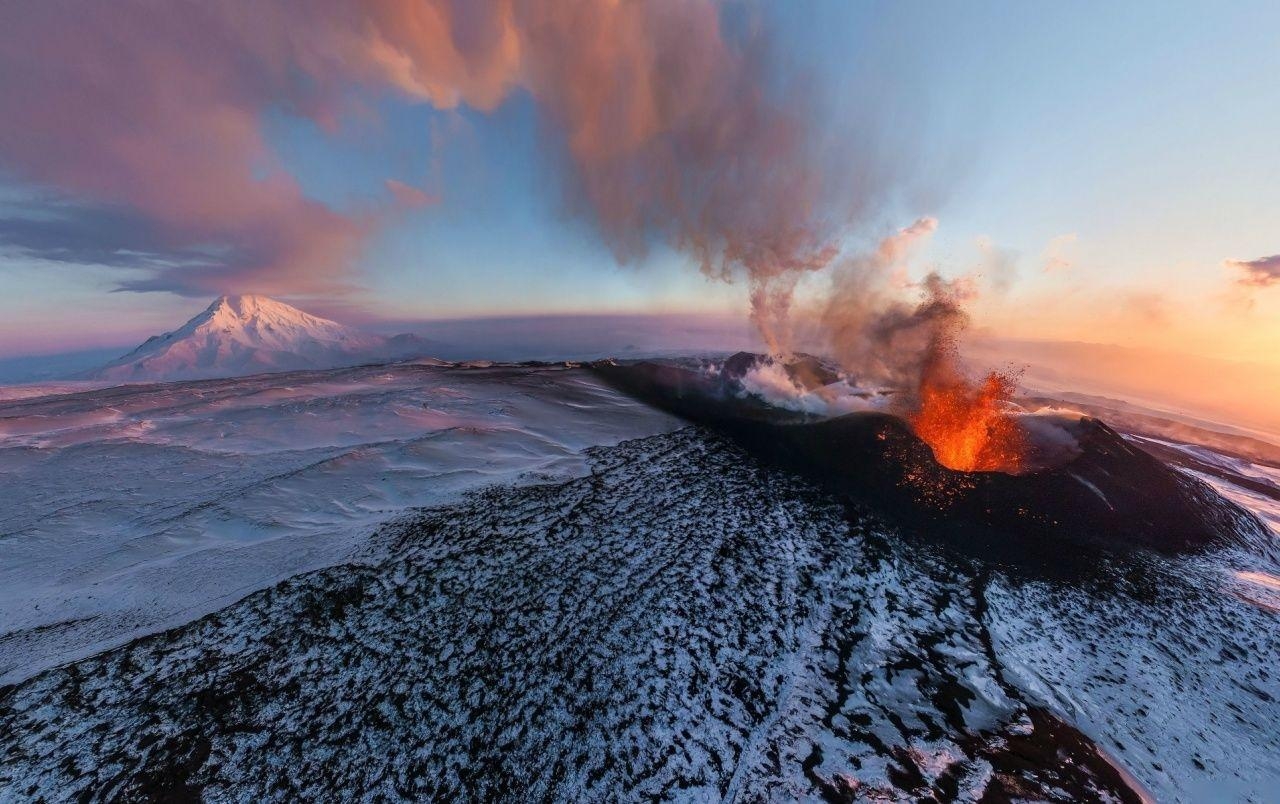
{"points": [[240, 334], [247, 305]]}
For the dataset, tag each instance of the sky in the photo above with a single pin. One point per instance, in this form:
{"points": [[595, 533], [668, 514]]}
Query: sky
{"points": [[1099, 172]]}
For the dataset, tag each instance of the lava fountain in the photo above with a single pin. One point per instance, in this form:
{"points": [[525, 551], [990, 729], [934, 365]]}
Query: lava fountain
{"points": [[969, 425]]}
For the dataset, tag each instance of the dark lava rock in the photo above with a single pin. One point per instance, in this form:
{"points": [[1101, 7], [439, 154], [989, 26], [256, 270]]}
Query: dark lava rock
{"points": [[1111, 495], [809, 372], [739, 363]]}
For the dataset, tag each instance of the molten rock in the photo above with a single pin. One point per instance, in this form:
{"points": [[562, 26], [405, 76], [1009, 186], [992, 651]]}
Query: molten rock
{"points": [[1083, 483]]}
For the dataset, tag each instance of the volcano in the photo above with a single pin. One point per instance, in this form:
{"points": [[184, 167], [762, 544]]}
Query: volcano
{"points": [[1107, 493], [249, 334]]}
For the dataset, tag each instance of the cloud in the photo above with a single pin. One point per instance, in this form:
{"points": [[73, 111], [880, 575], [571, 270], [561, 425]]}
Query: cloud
{"points": [[672, 127], [55, 231], [1260, 273], [156, 109], [1146, 307], [1057, 255], [410, 197]]}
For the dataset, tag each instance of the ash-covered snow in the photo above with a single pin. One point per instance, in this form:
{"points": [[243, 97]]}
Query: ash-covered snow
{"points": [[659, 618]]}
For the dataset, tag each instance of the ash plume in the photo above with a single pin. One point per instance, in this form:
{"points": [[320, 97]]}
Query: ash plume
{"points": [[920, 342], [674, 123], [868, 329], [971, 424]]}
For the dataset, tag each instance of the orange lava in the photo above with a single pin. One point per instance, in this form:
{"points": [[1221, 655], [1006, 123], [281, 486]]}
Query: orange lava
{"points": [[968, 424]]}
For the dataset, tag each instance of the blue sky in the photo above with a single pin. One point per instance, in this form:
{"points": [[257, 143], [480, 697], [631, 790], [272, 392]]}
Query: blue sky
{"points": [[1136, 141]]}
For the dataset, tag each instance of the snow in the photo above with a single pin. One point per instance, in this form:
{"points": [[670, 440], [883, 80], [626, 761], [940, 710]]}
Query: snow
{"points": [[133, 507], [471, 582], [676, 625], [248, 334], [1168, 669]]}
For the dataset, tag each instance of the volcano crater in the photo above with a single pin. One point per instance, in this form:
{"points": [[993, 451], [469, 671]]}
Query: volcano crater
{"points": [[1104, 492]]}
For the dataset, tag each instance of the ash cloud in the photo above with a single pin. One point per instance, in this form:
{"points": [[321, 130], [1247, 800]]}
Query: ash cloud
{"points": [[868, 328], [673, 120]]}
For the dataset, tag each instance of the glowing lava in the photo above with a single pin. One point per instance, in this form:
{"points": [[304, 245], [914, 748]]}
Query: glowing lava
{"points": [[968, 425]]}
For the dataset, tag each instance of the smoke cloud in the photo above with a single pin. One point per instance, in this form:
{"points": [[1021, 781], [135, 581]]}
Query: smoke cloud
{"points": [[672, 129], [869, 329]]}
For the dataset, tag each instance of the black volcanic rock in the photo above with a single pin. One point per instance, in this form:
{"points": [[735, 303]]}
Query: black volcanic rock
{"points": [[1111, 495], [738, 364]]}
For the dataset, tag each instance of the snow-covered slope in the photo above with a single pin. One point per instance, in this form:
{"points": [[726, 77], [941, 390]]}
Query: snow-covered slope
{"points": [[448, 582], [678, 623], [240, 335]]}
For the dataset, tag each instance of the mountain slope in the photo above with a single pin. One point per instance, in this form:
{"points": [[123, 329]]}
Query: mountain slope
{"points": [[238, 335]]}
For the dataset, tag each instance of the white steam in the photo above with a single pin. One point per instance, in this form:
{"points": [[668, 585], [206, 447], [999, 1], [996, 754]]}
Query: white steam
{"points": [[770, 381]]}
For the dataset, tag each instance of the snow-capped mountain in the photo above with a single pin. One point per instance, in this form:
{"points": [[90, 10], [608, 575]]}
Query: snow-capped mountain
{"points": [[248, 334]]}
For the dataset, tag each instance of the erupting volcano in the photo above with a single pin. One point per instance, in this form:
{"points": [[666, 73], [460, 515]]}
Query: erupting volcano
{"points": [[970, 425], [785, 409], [967, 466]]}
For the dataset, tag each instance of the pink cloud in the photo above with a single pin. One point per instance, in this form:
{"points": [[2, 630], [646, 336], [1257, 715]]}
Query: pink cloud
{"points": [[668, 128]]}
